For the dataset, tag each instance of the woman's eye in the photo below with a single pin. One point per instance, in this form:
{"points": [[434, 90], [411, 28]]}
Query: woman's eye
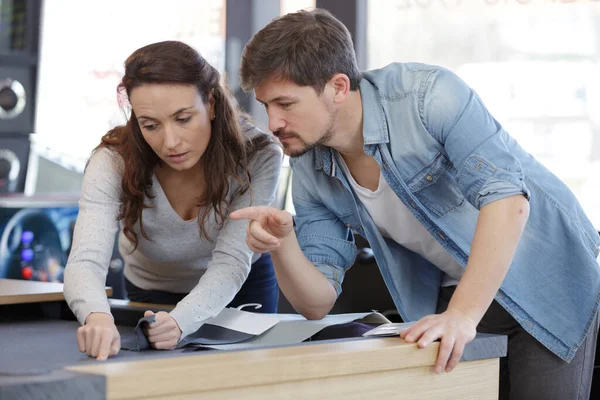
{"points": [[184, 120], [150, 127]]}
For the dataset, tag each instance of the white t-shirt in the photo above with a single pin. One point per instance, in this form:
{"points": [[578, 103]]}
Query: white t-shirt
{"points": [[395, 221]]}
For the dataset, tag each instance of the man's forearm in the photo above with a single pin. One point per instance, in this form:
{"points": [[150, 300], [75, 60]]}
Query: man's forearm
{"points": [[499, 228], [305, 287]]}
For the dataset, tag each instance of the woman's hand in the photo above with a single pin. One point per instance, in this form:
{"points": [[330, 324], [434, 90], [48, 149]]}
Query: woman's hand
{"points": [[164, 332], [99, 336]]}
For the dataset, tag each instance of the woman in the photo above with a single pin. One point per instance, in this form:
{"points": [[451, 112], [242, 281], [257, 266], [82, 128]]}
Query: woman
{"points": [[168, 179]]}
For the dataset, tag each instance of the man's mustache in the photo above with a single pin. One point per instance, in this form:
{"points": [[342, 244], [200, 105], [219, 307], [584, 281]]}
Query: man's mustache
{"points": [[285, 135]]}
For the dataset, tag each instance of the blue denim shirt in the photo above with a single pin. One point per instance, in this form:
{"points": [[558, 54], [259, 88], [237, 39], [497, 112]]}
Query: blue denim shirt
{"points": [[445, 157]]}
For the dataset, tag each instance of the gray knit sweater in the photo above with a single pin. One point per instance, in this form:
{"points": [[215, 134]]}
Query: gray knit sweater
{"points": [[176, 259]]}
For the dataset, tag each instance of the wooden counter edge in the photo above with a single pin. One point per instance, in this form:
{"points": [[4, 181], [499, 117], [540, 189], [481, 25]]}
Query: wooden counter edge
{"points": [[35, 292], [262, 366]]}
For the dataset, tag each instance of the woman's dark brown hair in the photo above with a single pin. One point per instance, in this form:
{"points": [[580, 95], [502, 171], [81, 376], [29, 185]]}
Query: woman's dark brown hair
{"points": [[226, 156]]}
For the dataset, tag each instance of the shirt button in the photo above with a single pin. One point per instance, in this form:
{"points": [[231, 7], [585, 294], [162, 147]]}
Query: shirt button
{"points": [[429, 177], [440, 234], [412, 203], [529, 323]]}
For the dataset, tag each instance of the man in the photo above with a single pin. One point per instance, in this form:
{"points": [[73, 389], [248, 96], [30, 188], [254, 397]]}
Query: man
{"points": [[469, 230]]}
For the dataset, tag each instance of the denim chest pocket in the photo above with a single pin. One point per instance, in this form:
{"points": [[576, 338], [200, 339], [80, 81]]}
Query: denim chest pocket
{"points": [[351, 221], [348, 217], [340, 203], [436, 188]]}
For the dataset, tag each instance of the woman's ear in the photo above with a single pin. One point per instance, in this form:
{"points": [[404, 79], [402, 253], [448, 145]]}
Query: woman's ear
{"points": [[211, 105]]}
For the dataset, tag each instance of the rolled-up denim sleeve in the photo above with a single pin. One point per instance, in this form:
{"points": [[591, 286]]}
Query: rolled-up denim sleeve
{"points": [[474, 141], [324, 239]]}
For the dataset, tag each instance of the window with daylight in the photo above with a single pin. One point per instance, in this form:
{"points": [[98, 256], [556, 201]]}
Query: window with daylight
{"points": [[535, 64]]}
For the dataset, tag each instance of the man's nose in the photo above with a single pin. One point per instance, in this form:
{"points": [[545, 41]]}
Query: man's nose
{"points": [[275, 121]]}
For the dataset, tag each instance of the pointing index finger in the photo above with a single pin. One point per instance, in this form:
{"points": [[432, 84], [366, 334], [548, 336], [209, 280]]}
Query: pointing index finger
{"points": [[247, 213]]}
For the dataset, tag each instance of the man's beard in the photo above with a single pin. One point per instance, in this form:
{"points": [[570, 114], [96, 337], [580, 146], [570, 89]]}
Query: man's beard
{"points": [[306, 147]]}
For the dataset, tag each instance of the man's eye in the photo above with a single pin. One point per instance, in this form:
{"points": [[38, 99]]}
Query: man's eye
{"points": [[286, 106]]}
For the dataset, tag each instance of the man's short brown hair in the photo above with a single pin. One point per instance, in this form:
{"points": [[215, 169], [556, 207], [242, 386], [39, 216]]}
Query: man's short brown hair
{"points": [[305, 47]]}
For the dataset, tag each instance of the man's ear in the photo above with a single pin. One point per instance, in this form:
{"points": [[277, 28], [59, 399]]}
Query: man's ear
{"points": [[341, 87]]}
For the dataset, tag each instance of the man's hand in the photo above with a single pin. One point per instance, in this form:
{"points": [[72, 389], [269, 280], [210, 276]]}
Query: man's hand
{"points": [[164, 332], [268, 226], [99, 336], [453, 328], [305, 287]]}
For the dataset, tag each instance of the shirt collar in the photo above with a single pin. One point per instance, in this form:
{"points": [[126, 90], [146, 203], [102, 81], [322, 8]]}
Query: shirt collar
{"points": [[374, 122], [374, 128]]}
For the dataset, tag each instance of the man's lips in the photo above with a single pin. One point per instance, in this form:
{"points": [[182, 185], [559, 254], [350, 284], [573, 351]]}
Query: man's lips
{"points": [[285, 137]]}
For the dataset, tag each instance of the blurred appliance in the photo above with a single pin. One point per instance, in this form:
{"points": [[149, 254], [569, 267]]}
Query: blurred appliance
{"points": [[19, 40], [35, 237], [9, 171], [36, 233]]}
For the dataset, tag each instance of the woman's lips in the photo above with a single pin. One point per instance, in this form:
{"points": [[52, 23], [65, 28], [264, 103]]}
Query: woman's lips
{"points": [[178, 158]]}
